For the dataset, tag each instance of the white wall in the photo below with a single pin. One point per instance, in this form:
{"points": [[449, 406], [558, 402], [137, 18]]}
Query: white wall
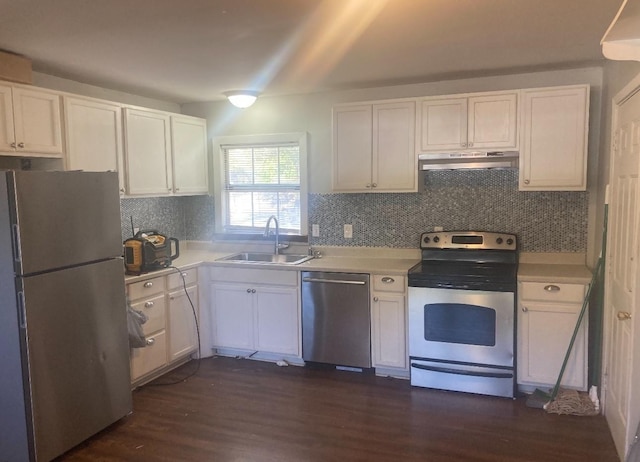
{"points": [[83, 89]]}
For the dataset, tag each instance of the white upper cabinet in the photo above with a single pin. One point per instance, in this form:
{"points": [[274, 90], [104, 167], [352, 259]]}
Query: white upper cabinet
{"points": [[373, 147], [555, 126], [148, 152], [189, 154], [30, 122], [486, 121], [93, 130]]}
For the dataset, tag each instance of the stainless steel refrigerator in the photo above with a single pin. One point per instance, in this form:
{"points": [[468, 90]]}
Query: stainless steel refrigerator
{"points": [[64, 351]]}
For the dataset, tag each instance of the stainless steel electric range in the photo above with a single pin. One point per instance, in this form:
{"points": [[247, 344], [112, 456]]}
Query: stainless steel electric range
{"points": [[462, 313]]}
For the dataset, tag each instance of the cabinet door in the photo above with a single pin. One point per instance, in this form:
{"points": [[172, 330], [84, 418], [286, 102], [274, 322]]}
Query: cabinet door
{"points": [[394, 156], [443, 124], [492, 121], [277, 320], [189, 154], [232, 316], [7, 133], [36, 116], [147, 150], [352, 132], [183, 338], [544, 334], [554, 139], [94, 136], [388, 330]]}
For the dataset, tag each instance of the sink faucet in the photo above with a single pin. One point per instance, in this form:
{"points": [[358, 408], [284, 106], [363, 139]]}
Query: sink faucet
{"points": [[276, 246]]}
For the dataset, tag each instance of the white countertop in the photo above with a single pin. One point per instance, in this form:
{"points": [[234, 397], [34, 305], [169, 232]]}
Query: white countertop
{"points": [[532, 268]]}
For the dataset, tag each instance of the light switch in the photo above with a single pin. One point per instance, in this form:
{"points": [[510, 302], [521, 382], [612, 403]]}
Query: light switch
{"points": [[315, 230], [348, 231]]}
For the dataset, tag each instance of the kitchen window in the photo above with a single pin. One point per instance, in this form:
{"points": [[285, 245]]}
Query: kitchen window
{"points": [[260, 176]]}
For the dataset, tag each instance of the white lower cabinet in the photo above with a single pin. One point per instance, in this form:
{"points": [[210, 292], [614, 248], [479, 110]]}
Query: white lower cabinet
{"points": [[170, 330], [257, 310], [388, 322], [547, 315]]}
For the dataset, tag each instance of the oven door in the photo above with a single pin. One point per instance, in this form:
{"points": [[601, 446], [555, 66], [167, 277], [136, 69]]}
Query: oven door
{"points": [[467, 326]]}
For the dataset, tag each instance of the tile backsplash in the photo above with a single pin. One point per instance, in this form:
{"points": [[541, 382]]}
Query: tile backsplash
{"points": [[183, 217], [486, 200]]}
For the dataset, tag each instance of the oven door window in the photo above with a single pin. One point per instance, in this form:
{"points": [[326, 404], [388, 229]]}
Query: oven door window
{"points": [[460, 323]]}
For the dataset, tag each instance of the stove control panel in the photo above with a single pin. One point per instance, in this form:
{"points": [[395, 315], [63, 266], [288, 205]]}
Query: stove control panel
{"points": [[481, 240]]}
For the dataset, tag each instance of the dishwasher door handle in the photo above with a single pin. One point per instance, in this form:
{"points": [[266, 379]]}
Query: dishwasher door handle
{"points": [[334, 281]]}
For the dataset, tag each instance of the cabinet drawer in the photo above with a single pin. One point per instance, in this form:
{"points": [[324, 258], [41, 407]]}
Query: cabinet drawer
{"points": [[149, 358], [146, 288], [550, 292], [175, 279], [386, 283], [255, 276], [155, 309]]}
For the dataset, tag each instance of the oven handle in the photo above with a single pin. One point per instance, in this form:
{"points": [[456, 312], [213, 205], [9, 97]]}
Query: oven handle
{"points": [[446, 370]]}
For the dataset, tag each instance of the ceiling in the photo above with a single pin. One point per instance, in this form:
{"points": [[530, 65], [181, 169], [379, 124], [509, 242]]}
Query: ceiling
{"points": [[194, 50]]}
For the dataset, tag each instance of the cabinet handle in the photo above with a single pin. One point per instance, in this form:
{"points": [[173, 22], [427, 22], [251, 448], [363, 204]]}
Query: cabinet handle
{"points": [[13, 145], [148, 304], [623, 315], [122, 190], [525, 309], [21, 145], [374, 185], [526, 181], [388, 280], [552, 288], [375, 299], [248, 291], [368, 185], [253, 291], [470, 145], [464, 145], [184, 275], [148, 284], [151, 341]]}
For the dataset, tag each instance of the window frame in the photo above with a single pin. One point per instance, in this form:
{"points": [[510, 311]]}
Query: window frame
{"points": [[300, 138]]}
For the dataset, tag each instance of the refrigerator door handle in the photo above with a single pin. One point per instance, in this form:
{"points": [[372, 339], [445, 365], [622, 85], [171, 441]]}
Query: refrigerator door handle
{"points": [[22, 314], [16, 243]]}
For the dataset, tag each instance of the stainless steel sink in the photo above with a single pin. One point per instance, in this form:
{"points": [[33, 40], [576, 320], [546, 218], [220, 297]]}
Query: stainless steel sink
{"points": [[257, 257]]}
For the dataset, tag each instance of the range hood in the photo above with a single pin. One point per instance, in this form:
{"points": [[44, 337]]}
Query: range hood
{"points": [[468, 160]]}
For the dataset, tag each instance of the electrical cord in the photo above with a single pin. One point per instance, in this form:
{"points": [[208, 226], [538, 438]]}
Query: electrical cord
{"points": [[195, 318]]}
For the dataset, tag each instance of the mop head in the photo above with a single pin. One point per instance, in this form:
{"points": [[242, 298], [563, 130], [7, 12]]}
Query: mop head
{"points": [[572, 402]]}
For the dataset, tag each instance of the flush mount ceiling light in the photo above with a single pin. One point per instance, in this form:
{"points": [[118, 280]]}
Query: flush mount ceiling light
{"points": [[241, 98]]}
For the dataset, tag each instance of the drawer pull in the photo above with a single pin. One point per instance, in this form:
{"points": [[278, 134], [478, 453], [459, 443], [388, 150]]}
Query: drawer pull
{"points": [[148, 284], [184, 275], [375, 299], [148, 304], [525, 309], [552, 288], [388, 280], [151, 341]]}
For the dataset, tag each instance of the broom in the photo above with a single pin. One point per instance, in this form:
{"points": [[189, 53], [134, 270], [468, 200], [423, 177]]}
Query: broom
{"points": [[570, 401]]}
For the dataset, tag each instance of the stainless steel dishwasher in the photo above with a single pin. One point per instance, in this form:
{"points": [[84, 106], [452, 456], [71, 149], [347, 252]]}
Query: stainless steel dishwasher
{"points": [[336, 321]]}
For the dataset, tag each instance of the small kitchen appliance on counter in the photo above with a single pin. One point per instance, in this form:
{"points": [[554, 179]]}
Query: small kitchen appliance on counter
{"points": [[462, 313], [148, 250]]}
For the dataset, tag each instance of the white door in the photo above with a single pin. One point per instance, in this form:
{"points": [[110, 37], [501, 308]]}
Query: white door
{"points": [[492, 121], [189, 154], [232, 316], [394, 156], [277, 320], [37, 121], [183, 337], [7, 133], [622, 404], [443, 124], [352, 132]]}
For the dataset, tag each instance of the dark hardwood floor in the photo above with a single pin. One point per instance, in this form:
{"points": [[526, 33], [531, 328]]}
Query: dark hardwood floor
{"points": [[242, 410]]}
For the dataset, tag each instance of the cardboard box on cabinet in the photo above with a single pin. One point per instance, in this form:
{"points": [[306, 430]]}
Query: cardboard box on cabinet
{"points": [[15, 68]]}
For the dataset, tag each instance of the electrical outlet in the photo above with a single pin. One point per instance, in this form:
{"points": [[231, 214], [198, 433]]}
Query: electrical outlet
{"points": [[315, 230], [438, 229], [348, 231]]}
